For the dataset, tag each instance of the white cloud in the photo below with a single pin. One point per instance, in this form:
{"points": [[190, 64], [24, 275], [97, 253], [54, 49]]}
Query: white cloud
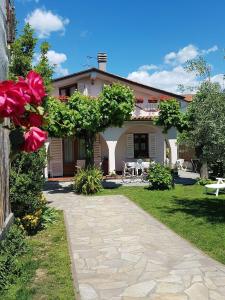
{"points": [[45, 22], [172, 73], [218, 78], [187, 53], [55, 59], [212, 49], [184, 54], [166, 79], [59, 70], [148, 67]]}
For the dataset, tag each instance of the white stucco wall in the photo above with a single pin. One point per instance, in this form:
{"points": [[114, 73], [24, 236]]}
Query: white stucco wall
{"points": [[121, 148], [116, 139]]}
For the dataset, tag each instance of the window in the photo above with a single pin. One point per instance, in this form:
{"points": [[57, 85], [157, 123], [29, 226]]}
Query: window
{"points": [[152, 105], [141, 145], [68, 91]]}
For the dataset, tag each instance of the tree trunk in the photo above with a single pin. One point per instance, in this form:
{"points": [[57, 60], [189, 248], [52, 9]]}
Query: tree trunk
{"points": [[89, 144], [204, 170]]}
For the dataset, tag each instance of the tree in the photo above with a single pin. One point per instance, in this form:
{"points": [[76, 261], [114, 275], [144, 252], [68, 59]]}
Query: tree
{"points": [[43, 67], [60, 119], [22, 53], [92, 115], [206, 119], [170, 116]]}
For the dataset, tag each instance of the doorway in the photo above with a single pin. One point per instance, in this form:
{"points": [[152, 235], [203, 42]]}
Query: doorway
{"points": [[70, 155]]}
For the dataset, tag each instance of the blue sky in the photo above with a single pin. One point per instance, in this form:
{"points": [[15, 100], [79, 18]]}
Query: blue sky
{"points": [[145, 40]]}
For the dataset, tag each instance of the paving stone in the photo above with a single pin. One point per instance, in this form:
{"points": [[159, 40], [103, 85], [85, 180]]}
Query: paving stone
{"points": [[141, 289], [169, 297], [198, 292], [214, 295], [169, 287], [121, 253], [87, 292]]}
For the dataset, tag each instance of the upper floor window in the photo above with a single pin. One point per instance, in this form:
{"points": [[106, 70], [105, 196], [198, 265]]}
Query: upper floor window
{"points": [[67, 91], [152, 104]]}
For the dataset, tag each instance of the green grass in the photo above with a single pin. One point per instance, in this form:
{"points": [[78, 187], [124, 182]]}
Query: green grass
{"points": [[47, 272], [195, 216]]}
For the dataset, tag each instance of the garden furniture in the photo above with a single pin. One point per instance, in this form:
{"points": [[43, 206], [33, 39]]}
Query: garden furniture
{"points": [[220, 185]]}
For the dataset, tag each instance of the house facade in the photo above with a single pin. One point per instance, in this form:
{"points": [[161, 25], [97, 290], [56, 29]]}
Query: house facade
{"points": [[137, 138]]}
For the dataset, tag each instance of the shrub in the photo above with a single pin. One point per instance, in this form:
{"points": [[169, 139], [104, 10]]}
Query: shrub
{"points": [[204, 181], [11, 248], [26, 182], [88, 181], [159, 177], [40, 218], [14, 242], [49, 216]]}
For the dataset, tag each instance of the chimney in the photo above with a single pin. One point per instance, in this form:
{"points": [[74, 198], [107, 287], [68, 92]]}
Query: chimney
{"points": [[102, 60]]}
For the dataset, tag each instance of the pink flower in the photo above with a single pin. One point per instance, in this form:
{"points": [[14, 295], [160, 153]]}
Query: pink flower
{"points": [[35, 120], [34, 139], [36, 86], [13, 98]]}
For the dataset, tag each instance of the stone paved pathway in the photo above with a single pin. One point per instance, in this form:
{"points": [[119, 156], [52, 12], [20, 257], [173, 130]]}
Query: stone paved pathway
{"points": [[121, 253]]}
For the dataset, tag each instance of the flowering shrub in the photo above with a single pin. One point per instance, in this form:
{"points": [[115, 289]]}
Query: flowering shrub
{"points": [[21, 102]]}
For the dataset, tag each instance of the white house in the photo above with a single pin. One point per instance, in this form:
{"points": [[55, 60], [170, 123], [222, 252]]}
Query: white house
{"points": [[138, 138]]}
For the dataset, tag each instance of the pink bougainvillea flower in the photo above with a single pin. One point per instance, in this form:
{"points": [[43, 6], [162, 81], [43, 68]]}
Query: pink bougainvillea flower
{"points": [[36, 86], [34, 139]]}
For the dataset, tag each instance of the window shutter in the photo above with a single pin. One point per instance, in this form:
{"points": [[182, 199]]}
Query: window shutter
{"points": [[56, 157], [97, 151], [152, 145], [130, 145]]}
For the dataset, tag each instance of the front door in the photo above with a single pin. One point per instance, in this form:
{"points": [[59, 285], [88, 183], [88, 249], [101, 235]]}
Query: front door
{"points": [[70, 149]]}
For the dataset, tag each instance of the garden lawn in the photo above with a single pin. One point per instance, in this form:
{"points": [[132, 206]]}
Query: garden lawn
{"points": [[195, 216], [47, 270]]}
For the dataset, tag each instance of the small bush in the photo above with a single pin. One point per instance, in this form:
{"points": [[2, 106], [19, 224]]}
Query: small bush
{"points": [[88, 181], [49, 216], [26, 182], [40, 218], [11, 248], [204, 181], [159, 177], [14, 242]]}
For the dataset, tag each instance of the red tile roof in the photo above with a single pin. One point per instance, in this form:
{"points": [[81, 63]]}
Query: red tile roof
{"points": [[188, 97], [142, 118]]}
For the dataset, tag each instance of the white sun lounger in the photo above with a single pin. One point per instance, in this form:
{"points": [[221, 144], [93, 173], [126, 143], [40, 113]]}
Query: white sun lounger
{"points": [[216, 186]]}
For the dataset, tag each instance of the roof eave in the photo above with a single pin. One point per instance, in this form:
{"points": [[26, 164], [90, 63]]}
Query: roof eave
{"points": [[120, 78]]}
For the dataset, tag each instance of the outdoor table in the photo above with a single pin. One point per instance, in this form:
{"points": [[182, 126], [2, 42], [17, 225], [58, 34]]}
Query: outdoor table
{"points": [[216, 186]]}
